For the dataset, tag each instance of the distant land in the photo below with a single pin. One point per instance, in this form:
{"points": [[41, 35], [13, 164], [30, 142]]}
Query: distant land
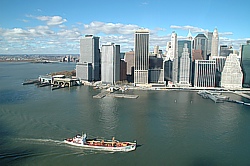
{"points": [[39, 58]]}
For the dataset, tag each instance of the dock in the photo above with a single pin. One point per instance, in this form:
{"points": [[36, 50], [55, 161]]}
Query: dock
{"points": [[101, 95], [30, 82], [124, 96]]}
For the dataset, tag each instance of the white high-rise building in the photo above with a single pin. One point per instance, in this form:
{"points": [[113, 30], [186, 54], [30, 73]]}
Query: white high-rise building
{"points": [[110, 63], [173, 56], [184, 76], [141, 56], [172, 47], [232, 76], [215, 43]]}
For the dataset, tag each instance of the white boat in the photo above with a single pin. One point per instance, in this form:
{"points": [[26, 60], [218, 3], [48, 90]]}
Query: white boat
{"points": [[247, 104], [101, 144], [240, 102]]}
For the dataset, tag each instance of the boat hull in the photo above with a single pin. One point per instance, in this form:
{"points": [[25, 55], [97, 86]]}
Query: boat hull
{"points": [[104, 148]]}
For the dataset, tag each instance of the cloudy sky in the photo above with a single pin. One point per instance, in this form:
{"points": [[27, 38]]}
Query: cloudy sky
{"points": [[55, 26]]}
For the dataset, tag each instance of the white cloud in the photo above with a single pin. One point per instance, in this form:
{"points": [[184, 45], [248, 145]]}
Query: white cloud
{"points": [[109, 28], [63, 39], [188, 27], [50, 20]]}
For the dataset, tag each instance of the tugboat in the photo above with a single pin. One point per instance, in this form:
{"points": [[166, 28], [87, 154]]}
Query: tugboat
{"points": [[101, 144]]}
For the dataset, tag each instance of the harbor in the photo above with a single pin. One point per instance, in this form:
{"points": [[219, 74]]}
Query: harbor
{"points": [[217, 97]]}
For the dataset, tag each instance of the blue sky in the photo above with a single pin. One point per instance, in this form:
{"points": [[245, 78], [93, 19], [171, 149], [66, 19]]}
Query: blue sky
{"points": [[53, 26]]}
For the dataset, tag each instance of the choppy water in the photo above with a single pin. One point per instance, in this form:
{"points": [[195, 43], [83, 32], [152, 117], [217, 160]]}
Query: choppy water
{"points": [[171, 127]]}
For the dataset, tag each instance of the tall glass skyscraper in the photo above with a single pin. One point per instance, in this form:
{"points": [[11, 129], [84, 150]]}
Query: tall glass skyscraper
{"points": [[141, 56], [245, 63], [200, 43], [88, 68]]}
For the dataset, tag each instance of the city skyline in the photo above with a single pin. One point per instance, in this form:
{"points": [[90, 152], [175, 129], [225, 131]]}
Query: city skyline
{"points": [[57, 26]]}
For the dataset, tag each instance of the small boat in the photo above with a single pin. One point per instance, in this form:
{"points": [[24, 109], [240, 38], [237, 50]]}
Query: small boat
{"points": [[101, 144], [239, 102], [247, 104]]}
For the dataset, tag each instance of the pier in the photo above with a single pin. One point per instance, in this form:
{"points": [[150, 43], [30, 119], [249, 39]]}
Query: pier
{"points": [[107, 93], [124, 96], [101, 95]]}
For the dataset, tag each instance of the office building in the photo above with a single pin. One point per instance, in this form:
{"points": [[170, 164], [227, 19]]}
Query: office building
{"points": [[123, 71], [110, 63], [156, 72], [200, 43], [225, 50], [232, 76], [204, 73], [215, 43], [209, 36], [89, 59], [167, 68], [172, 47], [245, 63], [129, 59], [184, 52], [174, 57], [141, 57]]}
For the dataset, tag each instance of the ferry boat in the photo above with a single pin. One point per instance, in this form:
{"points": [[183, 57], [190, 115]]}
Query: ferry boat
{"points": [[101, 144]]}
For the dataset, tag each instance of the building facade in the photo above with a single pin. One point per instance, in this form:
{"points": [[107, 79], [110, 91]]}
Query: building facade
{"points": [[225, 50], [245, 64], [110, 63], [141, 57], [232, 76], [185, 63], [174, 57], [171, 48], [200, 43], [89, 55], [204, 74], [215, 43], [209, 36]]}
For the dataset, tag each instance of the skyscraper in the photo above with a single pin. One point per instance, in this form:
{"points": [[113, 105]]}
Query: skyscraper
{"points": [[215, 43], [232, 76], [88, 68], [172, 47], [204, 75], [200, 43], [110, 63], [141, 56], [209, 42], [185, 63], [174, 57], [245, 63]]}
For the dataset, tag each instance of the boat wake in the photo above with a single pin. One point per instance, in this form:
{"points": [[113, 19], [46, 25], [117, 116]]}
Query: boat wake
{"points": [[51, 142], [40, 141]]}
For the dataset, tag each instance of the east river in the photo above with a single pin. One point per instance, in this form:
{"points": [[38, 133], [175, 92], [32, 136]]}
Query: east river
{"points": [[171, 127]]}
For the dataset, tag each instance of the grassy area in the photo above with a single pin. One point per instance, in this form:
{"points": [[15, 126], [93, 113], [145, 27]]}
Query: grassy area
{"points": [[66, 73]]}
